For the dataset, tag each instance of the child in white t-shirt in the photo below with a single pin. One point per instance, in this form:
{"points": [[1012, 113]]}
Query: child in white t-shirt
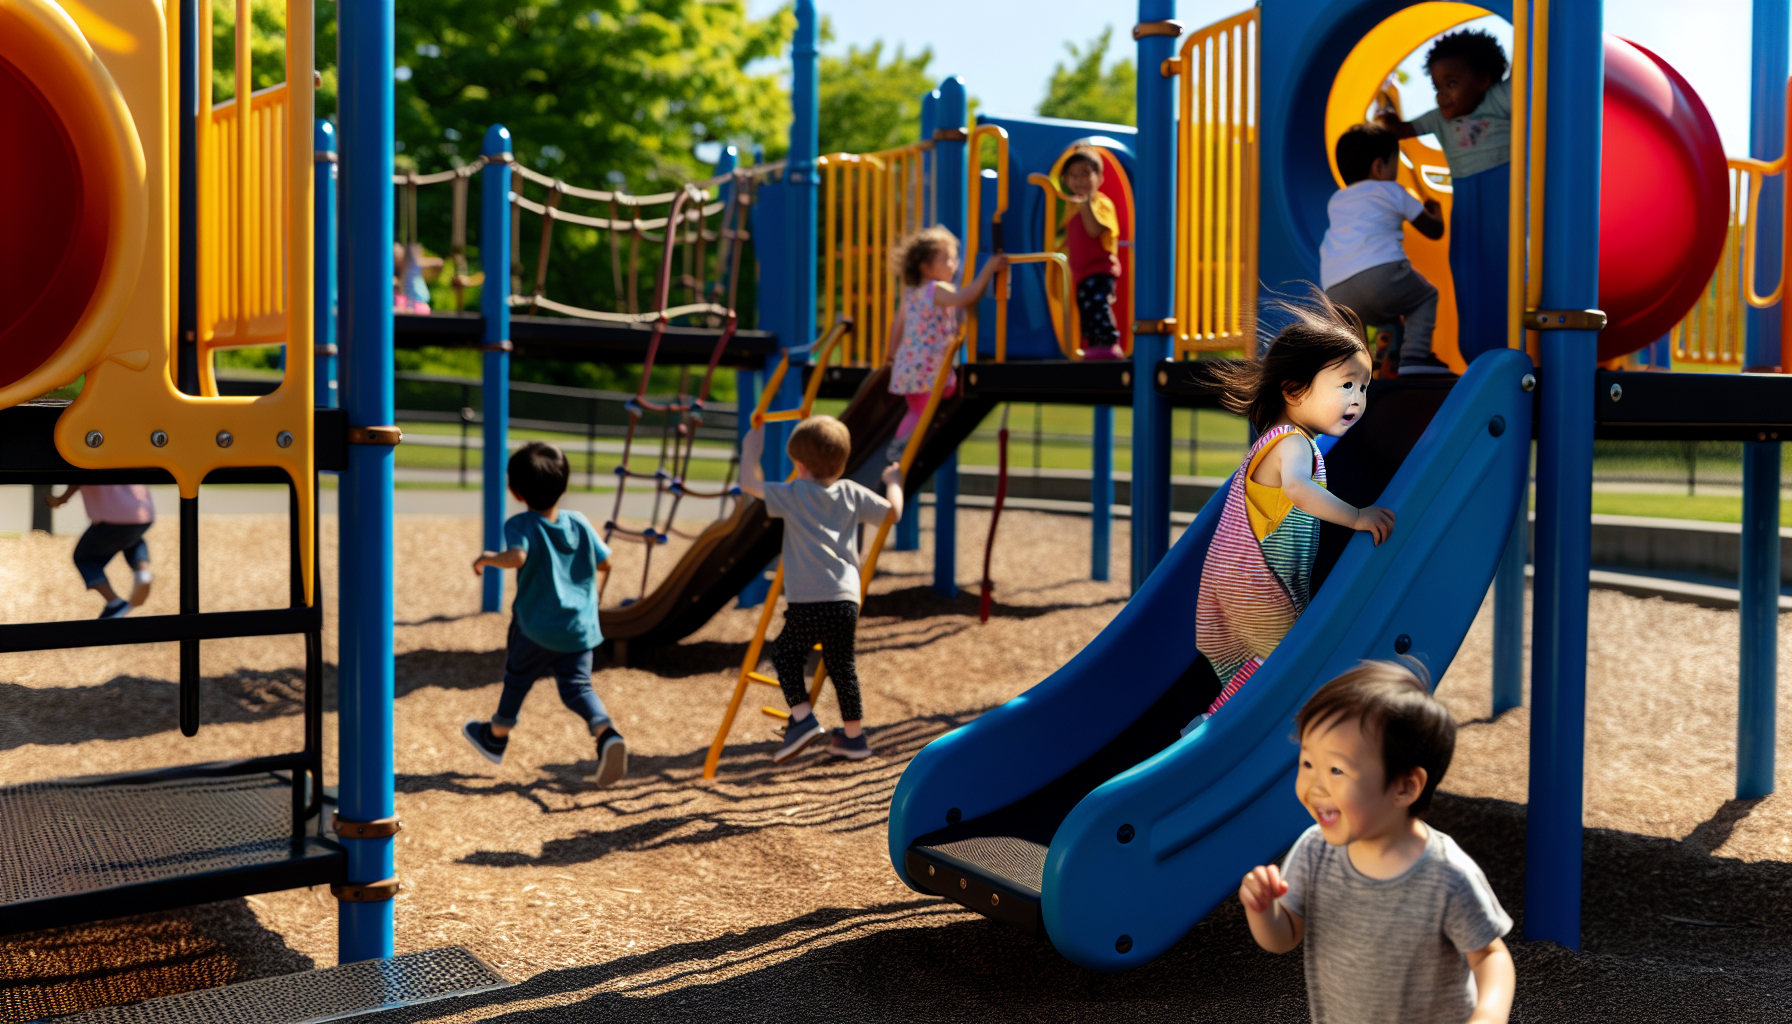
{"points": [[1362, 262]]}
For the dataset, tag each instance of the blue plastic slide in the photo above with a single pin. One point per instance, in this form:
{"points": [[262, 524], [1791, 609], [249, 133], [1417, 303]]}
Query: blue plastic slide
{"points": [[1077, 810]]}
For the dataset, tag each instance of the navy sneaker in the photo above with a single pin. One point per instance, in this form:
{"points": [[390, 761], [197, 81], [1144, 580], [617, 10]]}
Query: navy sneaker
{"points": [[853, 748], [480, 735], [612, 759], [797, 737], [116, 609]]}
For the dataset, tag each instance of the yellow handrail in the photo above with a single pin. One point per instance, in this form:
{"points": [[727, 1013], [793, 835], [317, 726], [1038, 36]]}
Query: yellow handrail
{"points": [[1757, 170], [1217, 187], [1067, 339]]}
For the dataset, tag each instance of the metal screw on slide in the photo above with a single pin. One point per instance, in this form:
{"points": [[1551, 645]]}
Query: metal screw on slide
{"points": [[283, 439], [159, 438], [954, 816], [964, 883], [95, 439], [1528, 382], [224, 439], [1617, 392], [1123, 944], [1402, 644], [1125, 834], [1496, 426]]}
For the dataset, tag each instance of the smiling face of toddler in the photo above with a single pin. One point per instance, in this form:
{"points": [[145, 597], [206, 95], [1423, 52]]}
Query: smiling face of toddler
{"points": [[1343, 784], [1336, 399]]}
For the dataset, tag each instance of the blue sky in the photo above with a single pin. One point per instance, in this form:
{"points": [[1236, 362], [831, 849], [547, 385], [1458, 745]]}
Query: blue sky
{"points": [[1006, 49]]}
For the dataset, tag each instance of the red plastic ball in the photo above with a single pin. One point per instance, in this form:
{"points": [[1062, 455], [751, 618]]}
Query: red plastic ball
{"points": [[1664, 201]]}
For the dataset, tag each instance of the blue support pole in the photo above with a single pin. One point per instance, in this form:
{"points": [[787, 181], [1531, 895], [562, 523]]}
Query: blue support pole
{"points": [[323, 313], [1760, 576], [908, 528], [805, 190], [494, 306], [952, 183], [1564, 476], [1153, 293], [364, 930], [1508, 612], [1101, 494]]}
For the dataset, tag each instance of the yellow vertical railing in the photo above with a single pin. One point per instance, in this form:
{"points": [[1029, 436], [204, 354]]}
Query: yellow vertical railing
{"points": [[1713, 331], [244, 190], [869, 201], [1217, 187]]}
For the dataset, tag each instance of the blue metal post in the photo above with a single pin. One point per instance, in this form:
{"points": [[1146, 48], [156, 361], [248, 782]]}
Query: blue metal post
{"points": [[908, 528], [323, 315], [1564, 477], [364, 930], [1508, 612], [494, 306], [1101, 494], [949, 161], [1760, 582], [1153, 294]]}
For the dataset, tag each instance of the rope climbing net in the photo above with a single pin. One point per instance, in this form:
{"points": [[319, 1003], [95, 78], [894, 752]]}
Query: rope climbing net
{"points": [[689, 241]]}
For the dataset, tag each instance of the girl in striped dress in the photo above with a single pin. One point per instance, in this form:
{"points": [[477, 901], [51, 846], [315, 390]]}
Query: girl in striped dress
{"points": [[1259, 571]]}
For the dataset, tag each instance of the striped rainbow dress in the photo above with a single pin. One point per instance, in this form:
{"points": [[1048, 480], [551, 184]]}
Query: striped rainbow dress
{"points": [[1259, 572]]}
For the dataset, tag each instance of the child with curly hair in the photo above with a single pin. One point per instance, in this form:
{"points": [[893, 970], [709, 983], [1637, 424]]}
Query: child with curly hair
{"points": [[927, 320], [1473, 123]]}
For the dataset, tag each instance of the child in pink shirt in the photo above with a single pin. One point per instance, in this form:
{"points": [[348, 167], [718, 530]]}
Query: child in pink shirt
{"points": [[121, 514]]}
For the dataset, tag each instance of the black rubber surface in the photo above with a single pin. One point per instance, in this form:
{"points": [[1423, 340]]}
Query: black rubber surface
{"points": [[1004, 851]]}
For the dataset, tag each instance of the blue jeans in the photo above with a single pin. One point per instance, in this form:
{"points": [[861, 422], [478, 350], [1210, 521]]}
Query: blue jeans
{"points": [[103, 540], [527, 661]]}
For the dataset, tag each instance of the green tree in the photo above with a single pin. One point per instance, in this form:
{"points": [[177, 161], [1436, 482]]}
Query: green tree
{"points": [[1082, 91], [868, 105]]}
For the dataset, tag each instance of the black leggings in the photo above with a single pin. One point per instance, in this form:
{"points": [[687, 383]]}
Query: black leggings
{"points": [[834, 625], [1095, 308]]}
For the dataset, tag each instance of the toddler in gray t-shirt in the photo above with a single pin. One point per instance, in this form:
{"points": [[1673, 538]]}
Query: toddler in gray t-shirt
{"points": [[1398, 923]]}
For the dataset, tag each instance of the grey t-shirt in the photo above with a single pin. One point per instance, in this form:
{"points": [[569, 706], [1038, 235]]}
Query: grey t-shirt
{"points": [[821, 558], [1394, 949]]}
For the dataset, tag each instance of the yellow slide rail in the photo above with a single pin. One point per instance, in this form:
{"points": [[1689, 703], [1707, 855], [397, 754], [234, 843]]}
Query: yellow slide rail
{"points": [[244, 183], [1217, 187], [1712, 332], [869, 201]]}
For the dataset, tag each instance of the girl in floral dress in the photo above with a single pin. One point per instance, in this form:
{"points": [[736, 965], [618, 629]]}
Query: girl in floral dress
{"points": [[928, 318]]}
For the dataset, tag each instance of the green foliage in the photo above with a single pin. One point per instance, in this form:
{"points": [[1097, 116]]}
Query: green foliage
{"points": [[267, 49], [868, 105], [1082, 91]]}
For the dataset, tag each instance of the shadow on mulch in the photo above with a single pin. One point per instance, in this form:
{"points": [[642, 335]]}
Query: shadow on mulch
{"points": [[131, 706], [62, 970], [923, 602]]}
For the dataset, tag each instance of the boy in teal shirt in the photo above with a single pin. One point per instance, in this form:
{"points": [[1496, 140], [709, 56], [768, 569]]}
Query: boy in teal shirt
{"points": [[553, 624]]}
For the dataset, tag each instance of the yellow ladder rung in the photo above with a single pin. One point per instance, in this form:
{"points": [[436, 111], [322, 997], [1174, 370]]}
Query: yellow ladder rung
{"points": [[775, 713], [787, 414], [762, 680]]}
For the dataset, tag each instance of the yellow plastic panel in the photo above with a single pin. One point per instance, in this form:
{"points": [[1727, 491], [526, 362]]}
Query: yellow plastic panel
{"points": [[1359, 79], [129, 398], [40, 40]]}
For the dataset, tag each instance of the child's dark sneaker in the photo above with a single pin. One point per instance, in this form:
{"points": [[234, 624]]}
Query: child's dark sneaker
{"points": [[853, 748], [612, 759], [797, 736], [116, 609], [480, 735]]}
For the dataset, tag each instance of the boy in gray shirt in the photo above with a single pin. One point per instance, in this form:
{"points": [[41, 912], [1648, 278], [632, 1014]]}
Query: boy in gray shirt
{"points": [[1399, 923], [821, 514]]}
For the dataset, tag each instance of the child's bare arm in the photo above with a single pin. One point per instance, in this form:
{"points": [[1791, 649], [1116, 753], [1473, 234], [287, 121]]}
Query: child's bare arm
{"points": [[1401, 129], [55, 500], [951, 298], [1275, 927], [512, 559], [1294, 457], [752, 470], [1495, 980], [893, 487], [1431, 222]]}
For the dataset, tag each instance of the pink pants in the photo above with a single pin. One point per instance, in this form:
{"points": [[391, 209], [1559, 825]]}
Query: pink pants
{"points": [[917, 403]]}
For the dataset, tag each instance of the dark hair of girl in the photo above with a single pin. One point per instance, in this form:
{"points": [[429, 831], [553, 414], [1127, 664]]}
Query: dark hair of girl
{"points": [[1319, 333]]}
